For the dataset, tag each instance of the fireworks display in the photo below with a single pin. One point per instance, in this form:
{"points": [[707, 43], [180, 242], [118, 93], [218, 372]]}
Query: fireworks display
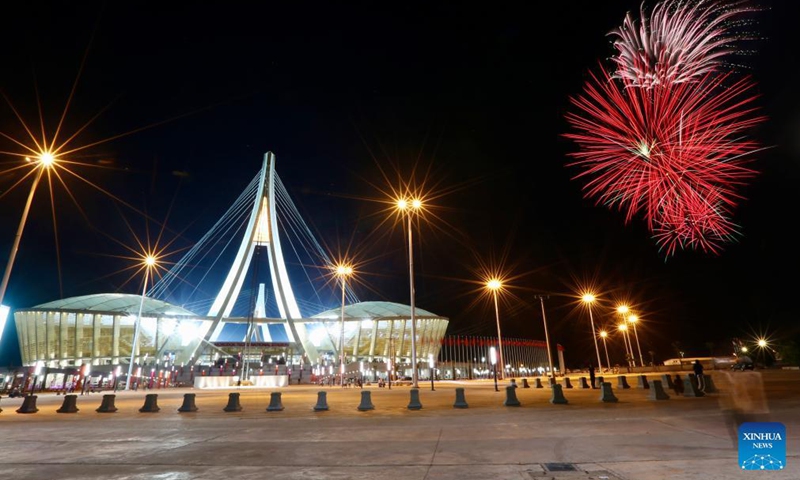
{"points": [[664, 136]]}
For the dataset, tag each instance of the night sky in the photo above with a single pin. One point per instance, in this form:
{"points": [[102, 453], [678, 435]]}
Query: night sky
{"points": [[469, 100]]}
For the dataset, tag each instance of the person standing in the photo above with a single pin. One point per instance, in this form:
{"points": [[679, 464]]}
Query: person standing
{"points": [[698, 373], [591, 375]]}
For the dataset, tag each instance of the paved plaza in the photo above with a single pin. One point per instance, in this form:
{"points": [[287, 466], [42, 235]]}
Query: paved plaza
{"points": [[633, 439]]}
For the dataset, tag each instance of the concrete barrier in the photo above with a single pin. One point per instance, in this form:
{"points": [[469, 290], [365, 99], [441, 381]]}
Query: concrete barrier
{"points": [[641, 382], [567, 383], [366, 401], [606, 394], [322, 402], [461, 401], [622, 382], [710, 387], [657, 391], [69, 405], [28, 405], [414, 403], [690, 388], [150, 403], [107, 405], [233, 403], [188, 403], [539, 383], [275, 404], [525, 383], [511, 397], [558, 395], [583, 383], [667, 381]]}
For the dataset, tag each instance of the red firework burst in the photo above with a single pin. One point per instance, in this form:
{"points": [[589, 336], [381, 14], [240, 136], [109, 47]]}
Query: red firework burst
{"points": [[676, 153], [682, 41]]}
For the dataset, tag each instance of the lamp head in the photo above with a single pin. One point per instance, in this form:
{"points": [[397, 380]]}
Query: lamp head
{"points": [[588, 298]]}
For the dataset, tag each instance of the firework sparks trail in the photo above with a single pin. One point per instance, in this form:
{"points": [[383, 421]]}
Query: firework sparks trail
{"points": [[682, 42], [641, 146]]}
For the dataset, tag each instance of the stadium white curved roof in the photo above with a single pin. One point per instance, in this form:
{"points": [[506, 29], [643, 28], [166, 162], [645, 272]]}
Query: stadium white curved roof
{"points": [[376, 310], [117, 303]]}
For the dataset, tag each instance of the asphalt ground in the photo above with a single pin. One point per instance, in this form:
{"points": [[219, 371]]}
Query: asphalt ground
{"points": [[633, 439]]}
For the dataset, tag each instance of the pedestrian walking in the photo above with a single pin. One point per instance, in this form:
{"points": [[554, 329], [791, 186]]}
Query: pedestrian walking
{"points": [[698, 373], [591, 375]]}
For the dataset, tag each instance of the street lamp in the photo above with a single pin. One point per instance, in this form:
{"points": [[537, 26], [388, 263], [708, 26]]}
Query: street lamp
{"points": [[493, 359], [588, 299], [149, 262], [603, 335], [408, 207], [431, 365], [633, 319], [342, 271], [547, 341], [623, 310], [494, 285], [628, 353], [44, 161]]}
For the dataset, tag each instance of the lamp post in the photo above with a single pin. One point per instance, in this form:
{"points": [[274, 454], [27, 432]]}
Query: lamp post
{"points": [[547, 340], [408, 207], [431, 365], [493, 359], [603, 335], [628, 355], [149, 263], [45, 160], [588, 299], [494, 285], [343, 271], [623, 310], [633, 319]]}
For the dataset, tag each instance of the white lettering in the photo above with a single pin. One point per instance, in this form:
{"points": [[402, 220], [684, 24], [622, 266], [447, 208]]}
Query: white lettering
{"points": [[762, 436]]}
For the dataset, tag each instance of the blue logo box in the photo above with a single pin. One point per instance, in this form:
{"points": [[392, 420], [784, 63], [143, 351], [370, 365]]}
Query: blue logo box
{"points": [[762, 446]]}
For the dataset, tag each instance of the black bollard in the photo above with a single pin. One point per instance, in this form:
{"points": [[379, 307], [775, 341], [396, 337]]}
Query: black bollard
{"points": [[642, 382], [275, 404], [107, 406], [657, 391], [461, 401], [622, 382], [599, 380], [150, 403], [666, 380], [558, 395], [606, 394], [583, 383], [414, 403], [567, 383], [539, 383], [69, 405], [233, 403], [709, 383], [28, 405], [511, 397], [690, 388], [188, 403], [322, 402], [366, 401], [525, 383]]}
